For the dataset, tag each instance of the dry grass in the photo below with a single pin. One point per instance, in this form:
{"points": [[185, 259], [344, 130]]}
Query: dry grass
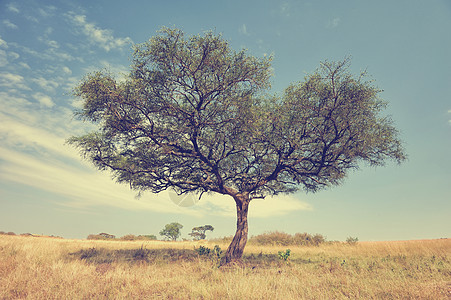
{"points": [[45, 268]]}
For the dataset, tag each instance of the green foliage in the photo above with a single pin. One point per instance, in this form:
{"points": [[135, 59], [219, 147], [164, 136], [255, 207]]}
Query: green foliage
{"points": [[129, 237], [284, 255], [198, 233], [150, 237], [352, 240], [202, 250], [172, 231], [284, 239], [214, 254], [101, 236]]}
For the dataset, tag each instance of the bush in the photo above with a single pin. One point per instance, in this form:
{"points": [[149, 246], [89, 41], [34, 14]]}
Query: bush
{"points": [[284, 255], [149, 237], [352, 240], [203, 250], [129, 237], [101, 236], [222, 240], [273, 238], [278, 238]]}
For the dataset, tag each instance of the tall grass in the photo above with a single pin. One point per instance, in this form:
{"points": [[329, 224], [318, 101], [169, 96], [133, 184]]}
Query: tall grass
{"points": [[43, 268]]}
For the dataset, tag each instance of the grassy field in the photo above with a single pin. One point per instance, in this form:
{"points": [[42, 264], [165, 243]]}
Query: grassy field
{"points": [[46, 268]]}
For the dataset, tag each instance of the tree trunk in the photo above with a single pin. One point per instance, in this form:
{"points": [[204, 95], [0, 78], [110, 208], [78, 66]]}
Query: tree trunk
{"points": [[236, 247]]}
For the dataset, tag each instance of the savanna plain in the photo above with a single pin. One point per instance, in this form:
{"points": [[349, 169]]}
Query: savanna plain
{"points": [[49, 268]]}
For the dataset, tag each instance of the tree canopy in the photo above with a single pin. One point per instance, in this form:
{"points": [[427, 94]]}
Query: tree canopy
{"points": [[199, 233], [196, 116], [172, 231]]}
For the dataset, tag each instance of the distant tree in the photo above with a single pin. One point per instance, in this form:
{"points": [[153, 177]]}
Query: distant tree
{"points": [[107, 236], [129, 237], [194, 116], [352, 240], [198, 233], [172, 231], [147, 237]]}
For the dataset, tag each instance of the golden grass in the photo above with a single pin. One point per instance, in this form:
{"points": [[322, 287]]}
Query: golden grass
{"points": [[43, 268]]}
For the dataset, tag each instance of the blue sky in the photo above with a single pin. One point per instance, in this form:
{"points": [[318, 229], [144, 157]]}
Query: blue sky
{"points": [[47, 46]]}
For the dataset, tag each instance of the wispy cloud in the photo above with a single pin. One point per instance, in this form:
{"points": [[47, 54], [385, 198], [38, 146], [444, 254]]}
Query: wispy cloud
{"points": [[46, 84], [13, 81], [9, 24], [44, 100], [11, 7], [285, 9], [3, 44], [449, 121], [243, 29], [334, 23], [102, 37]]}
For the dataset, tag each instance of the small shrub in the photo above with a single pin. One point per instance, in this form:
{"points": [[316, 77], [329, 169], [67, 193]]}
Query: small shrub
{"points": [[149, 237], [129, 237], [284, 239], [107, 236], [273, 238], [88, 253], [203, 250], [352, 240], [217, 251], [101, 236], [318, 239], [222, 240], [284, 255], [140, 254]]}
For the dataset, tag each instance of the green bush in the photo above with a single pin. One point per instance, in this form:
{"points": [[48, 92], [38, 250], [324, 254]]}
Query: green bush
{"points": [[278, 238], [284, 255], [149, 237], [205, 251], [129, 237], [101, 236], [352, 240], [273, 238]]}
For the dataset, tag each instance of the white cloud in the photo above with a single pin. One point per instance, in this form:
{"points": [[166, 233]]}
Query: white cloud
{"points": [[277, 206], [67, 71], [43, 99], [243, 29], [10, 25], [24, 65], [47, 11], [334, 23], [3, 44], [46, 84], [12, 81], [102, 37], [82, 187], [3, 58], [285, 9], [14, 55], [11, 7]]}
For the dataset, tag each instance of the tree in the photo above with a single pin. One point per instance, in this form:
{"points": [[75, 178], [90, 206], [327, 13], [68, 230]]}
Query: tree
{"points": [[172, 231], [194, 116], [198, 233]]}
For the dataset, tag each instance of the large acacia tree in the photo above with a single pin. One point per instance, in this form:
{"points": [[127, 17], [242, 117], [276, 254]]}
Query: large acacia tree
{"points": [[196, 117]]}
